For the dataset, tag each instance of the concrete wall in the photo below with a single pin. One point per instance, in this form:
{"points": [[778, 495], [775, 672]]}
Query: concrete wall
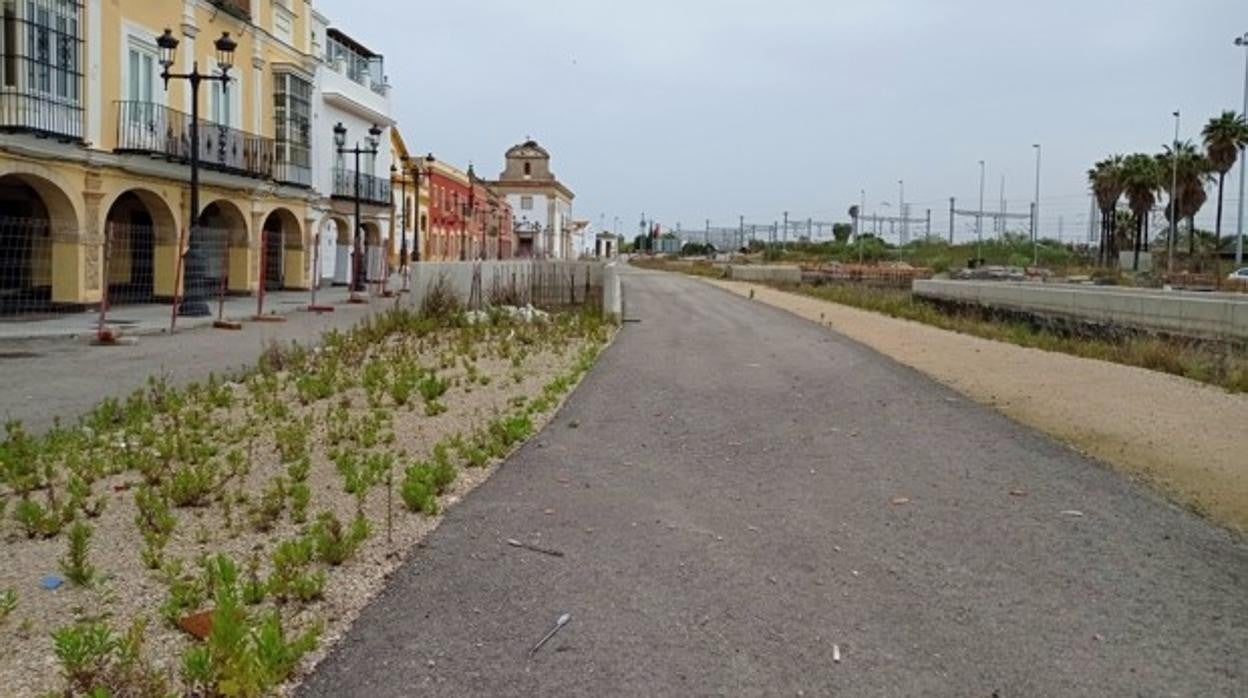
{"points": [[523, 273], [1207, 315], [774, 273]]}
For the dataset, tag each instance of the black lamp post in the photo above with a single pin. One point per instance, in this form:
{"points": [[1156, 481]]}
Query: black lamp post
{"points": [[403, 226], [428, 174], [340, 142], [468, 208], [193, 301]]}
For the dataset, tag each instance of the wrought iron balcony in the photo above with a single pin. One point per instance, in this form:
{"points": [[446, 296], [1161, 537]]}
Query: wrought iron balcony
{"points": [[154, 129], [374, 190], [42, 91]]}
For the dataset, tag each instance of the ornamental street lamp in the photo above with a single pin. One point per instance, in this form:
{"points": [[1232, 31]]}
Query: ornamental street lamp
{"points": [[428, 173], [340, 142], [193, 298], [468, 208]]}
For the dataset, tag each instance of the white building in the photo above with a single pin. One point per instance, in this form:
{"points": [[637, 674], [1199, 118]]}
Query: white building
{"points": [[542, 206], [351, 89]]}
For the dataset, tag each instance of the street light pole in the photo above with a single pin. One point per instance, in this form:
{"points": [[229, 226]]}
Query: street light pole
{"points": [[979, 218], [901, 206], [429, 160], [403, 268], [340, 141], [1035, 214], [1243, 160], [1174, 204], [168, 45]]}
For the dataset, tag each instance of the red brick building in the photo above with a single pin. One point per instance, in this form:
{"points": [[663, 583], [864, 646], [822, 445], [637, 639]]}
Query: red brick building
{"points": [[466, 222]]}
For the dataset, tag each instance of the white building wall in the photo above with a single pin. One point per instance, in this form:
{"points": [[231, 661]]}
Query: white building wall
{"points": [[338, 99]]}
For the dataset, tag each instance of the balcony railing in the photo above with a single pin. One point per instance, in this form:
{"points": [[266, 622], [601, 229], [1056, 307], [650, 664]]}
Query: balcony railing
{"points": [[39, 114], [291, 173], [374, 190], [145, 127], [41, 90], [368, 71], [238, 8]]}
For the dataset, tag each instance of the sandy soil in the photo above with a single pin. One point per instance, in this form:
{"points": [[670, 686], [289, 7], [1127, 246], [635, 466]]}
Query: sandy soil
{"points": [[1188, 439], [125, 590]]}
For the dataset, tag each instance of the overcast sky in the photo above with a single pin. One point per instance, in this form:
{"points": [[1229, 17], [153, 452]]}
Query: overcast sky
{"points": [[695, 109]]}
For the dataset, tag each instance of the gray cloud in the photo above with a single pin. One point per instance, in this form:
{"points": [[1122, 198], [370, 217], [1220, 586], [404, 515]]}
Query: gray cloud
{"points": [[689, 109]]}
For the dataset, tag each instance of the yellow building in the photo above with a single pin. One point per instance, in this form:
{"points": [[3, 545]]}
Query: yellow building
{"points": [[94, 149]]}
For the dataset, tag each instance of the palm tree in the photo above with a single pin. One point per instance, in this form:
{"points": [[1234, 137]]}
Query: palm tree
{"points": [[1189, 178], [1106, 180], [1140, 183], [1224, 136]]}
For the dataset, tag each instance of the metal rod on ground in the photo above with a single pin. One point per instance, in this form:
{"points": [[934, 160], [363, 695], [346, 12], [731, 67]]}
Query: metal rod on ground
{"points": [[180, 255], [102, 334]]}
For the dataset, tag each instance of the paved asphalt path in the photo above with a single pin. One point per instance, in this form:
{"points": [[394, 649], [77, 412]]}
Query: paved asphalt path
{"points": [[726, 511]]}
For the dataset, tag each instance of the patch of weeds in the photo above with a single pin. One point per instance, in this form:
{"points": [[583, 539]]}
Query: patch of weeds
{"points": [[191, 485], [265, 514], [243, 655], [332, 543], [289, 576], [35, 520], [155, 522]]}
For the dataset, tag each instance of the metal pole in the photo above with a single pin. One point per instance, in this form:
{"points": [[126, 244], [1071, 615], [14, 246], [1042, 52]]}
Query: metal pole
{"points": [[998, 223], [785, 236], [979, 218], [1243, 161], [901, 207], [927, 232], [356, 282], [1035, 215], [1174, 189], [951, 223]]}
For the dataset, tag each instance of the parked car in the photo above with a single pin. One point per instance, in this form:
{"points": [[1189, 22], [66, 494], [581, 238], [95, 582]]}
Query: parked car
{"points": [[1240, 274]]}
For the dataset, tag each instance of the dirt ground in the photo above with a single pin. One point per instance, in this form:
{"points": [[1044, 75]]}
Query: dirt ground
{"points": [[1187, 439]]}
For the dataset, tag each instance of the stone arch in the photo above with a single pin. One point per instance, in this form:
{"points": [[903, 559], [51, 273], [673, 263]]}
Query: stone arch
{"points": [[225, 215], [35, 214], [166, 221], [65, 210], [282, 252], [219, 243], [372, 234], [141, 233]]}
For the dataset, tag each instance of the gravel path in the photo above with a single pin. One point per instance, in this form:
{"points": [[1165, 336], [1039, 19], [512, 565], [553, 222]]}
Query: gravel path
{"points": [[1187, 438], [742, 498]]}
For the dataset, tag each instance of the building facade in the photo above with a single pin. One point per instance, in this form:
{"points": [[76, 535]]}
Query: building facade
{"points": [[542, 206], [448, 223], [352, 91], [94, 148]]}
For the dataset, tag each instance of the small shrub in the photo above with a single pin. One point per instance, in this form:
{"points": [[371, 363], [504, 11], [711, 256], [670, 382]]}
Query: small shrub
{"points": [[418, 493], [268, 510], [75, 565], [8, 603], [35, 520], [191, 485], [84, 651], [440, 301], [300, 498], [332, 544]]}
